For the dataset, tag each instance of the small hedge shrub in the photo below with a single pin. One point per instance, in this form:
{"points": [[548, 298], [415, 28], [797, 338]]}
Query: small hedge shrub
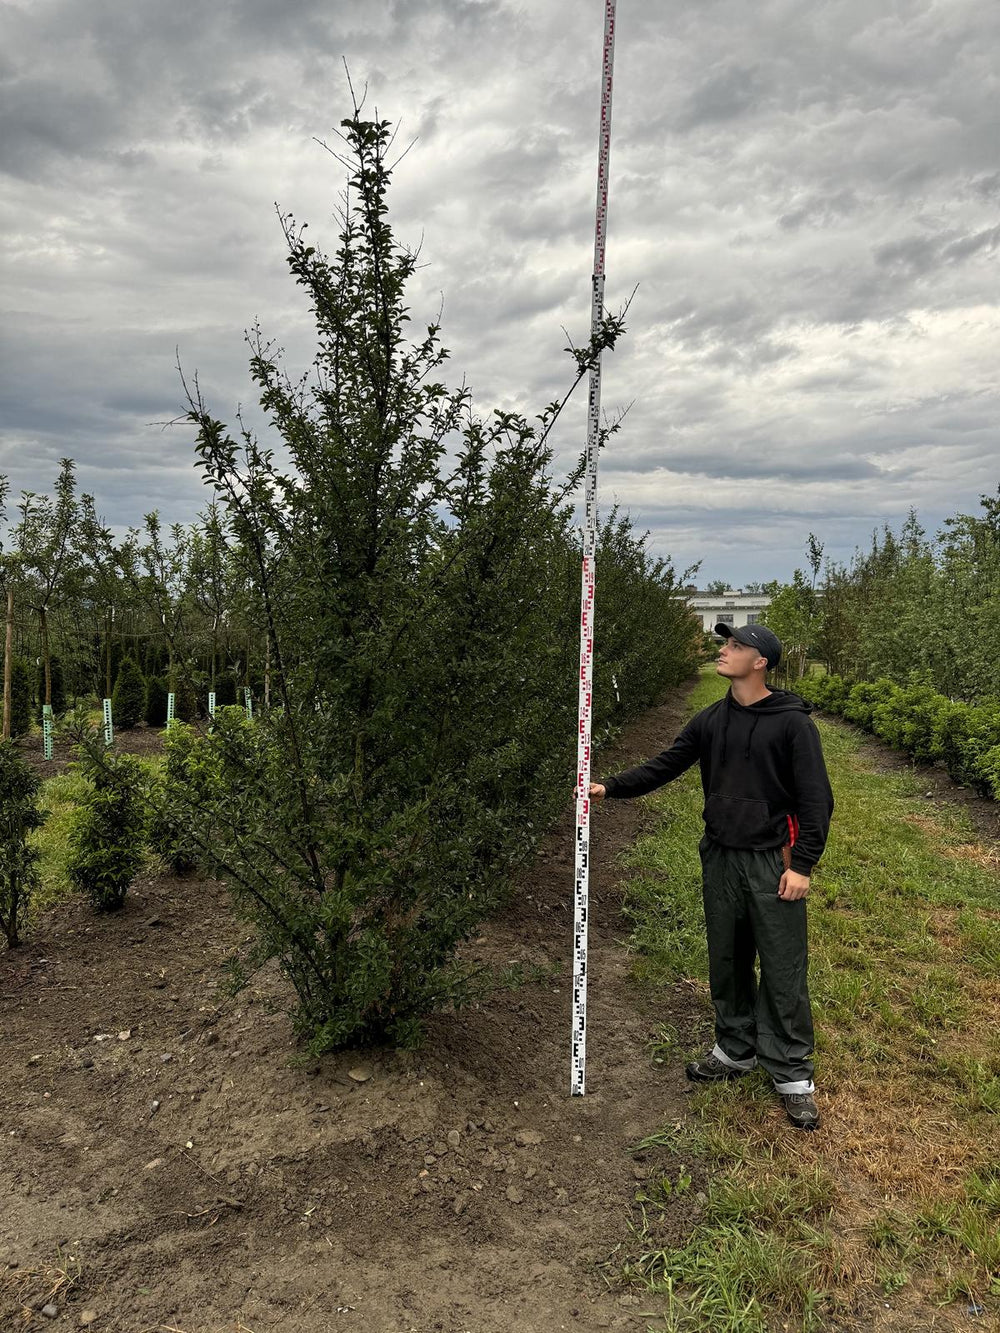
{"points": [[108, 838], [964, 737], [19, 814]]}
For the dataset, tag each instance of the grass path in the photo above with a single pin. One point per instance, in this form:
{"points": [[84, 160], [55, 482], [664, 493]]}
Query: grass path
{"points": [[893, 1206]]}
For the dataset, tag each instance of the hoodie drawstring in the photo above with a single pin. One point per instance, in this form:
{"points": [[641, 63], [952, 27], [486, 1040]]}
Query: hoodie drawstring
{"points": [[753, 728]]}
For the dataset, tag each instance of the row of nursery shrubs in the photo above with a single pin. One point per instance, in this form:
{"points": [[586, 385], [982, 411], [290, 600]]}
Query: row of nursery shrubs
{"points": [[127, 807], [134, 698], [964, 737]]}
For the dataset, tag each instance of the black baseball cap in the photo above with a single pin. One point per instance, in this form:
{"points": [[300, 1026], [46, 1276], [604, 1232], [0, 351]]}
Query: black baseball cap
{"points": [[760, 637]]}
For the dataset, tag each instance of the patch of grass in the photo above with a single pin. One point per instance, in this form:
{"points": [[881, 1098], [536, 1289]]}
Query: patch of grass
{"points": [[760, 1248], [60, 797], [904, 957], [981, 940]]}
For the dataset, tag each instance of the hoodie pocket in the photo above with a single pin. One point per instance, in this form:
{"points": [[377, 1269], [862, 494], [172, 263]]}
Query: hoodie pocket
{"points": [[737, 822]]}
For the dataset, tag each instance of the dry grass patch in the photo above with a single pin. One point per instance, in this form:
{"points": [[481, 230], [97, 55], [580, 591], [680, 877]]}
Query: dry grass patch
{"points": [[25, 1291]]}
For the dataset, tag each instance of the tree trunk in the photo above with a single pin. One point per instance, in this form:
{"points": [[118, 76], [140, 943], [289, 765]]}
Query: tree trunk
{"points": [[7, 652]]}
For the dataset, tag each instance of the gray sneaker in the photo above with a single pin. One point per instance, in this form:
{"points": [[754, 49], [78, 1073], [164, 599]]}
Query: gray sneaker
{"points": [[801, 1109], [710, 1069]]}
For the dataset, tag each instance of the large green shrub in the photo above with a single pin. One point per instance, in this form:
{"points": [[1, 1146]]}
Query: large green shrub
{"points": [[155, 711], [20, 697], [982, 734], [225, 690], [417, 576], [911, 724], [128, 698], [643, 640], [19, 814], [108, 836], [926, 724]]}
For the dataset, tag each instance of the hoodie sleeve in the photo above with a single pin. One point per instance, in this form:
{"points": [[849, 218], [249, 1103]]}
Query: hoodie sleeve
{"points": [[670, 764], [813, 796]]}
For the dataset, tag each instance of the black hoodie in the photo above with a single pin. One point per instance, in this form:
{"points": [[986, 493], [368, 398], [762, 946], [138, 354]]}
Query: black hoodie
{"points": [[762, 772]]}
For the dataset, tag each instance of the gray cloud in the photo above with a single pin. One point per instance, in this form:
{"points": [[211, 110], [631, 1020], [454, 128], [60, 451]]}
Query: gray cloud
{"points": [[806, 197]]}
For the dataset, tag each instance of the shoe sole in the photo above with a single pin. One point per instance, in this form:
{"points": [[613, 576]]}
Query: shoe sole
{"points": [[695, 1077]]}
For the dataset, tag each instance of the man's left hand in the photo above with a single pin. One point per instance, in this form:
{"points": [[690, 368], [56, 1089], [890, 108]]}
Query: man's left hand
{"points": [[793, 886]]}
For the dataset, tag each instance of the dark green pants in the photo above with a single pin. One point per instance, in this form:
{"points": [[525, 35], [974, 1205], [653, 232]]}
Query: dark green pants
{"points": [[769, 1021]]}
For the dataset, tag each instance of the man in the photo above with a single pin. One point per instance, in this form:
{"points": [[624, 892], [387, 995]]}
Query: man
{"points": [[767, 813]]}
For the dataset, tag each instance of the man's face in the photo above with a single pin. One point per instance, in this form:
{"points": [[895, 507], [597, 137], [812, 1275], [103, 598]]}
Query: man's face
{"points": [[739, 661]]}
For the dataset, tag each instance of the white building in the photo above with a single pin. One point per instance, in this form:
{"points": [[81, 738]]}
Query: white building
{"points": [[734, 607]]}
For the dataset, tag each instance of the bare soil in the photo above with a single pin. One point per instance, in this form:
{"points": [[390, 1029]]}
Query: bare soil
{"points": [[169, 1163], [160, 1142], [140, 740]]}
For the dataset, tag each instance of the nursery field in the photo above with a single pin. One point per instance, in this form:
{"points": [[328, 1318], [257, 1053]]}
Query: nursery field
{"points": [[456, 1187], [172, 1162]]}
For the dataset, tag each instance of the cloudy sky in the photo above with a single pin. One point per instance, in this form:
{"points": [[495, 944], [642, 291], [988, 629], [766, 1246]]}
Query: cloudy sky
{"points": [[806, 194]]}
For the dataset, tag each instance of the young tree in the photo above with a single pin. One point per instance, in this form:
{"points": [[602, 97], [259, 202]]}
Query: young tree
{"points": [[48, 557]]}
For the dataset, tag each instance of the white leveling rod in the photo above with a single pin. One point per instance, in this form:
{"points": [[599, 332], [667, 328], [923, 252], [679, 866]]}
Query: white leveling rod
{"points": [[578, 1063]]}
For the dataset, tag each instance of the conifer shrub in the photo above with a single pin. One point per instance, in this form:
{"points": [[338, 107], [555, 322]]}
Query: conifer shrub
{"points": [[416, 571], [225, 690], [108, 837], [128, 698], [20, 697], [19, 814], [185, 699], [155, 711]]}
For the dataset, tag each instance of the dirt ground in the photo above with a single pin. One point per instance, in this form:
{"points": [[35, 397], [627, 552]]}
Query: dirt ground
{"points": [[162, 1147], [158, 1139], [141, 740]]}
